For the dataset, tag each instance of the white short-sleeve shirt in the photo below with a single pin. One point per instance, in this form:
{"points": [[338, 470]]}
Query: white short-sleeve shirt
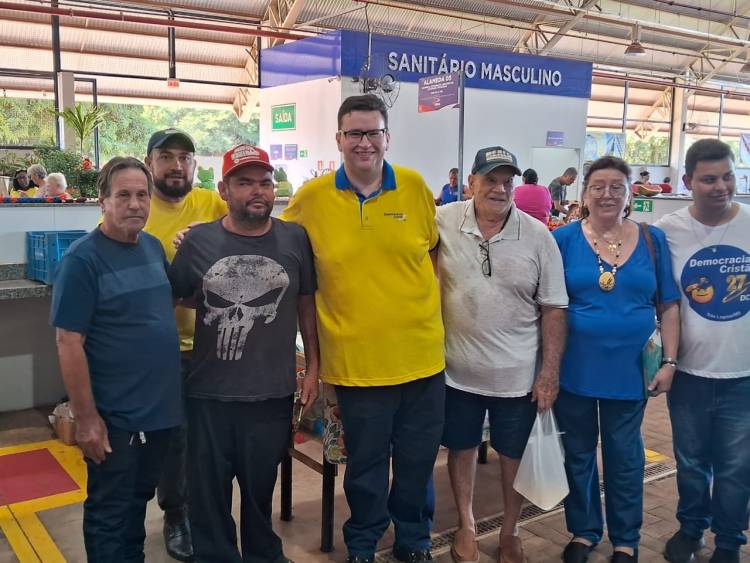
{"points": [[493, 323], [711, 266]]}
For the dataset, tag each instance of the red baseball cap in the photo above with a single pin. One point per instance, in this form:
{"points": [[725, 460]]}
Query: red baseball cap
{"points": [[245, 155]]}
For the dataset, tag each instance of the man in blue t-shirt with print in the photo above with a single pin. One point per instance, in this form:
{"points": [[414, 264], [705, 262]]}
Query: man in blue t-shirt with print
{"points": [[120, 361]]}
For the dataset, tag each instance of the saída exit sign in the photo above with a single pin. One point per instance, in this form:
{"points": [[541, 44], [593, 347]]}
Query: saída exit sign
{"points": [[284, 118]]}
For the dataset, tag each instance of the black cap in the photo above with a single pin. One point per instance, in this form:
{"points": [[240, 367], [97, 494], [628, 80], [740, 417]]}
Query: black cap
{"points": [[160, 137], [490, 158]]}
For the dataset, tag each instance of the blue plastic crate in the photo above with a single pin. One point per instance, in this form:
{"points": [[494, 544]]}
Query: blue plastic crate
{"points": [[44, 250]]}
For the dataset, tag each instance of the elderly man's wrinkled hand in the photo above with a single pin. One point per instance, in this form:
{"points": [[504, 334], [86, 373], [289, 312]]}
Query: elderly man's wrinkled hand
{"points": [[545, 390], [92, 437], [309, 390]]}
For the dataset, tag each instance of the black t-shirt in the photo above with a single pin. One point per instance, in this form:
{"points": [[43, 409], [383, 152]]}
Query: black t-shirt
{"points": [[246, 290]]}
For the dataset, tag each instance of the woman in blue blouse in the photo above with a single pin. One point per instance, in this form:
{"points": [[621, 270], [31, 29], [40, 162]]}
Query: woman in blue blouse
{"points": [[611, 283]]}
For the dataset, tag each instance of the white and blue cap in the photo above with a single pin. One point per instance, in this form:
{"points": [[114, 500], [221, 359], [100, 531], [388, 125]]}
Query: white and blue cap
{"points": [[490, 158]]}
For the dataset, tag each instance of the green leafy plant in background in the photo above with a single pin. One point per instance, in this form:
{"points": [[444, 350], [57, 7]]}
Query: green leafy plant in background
{"points": [[70, 163], [83, 120]]}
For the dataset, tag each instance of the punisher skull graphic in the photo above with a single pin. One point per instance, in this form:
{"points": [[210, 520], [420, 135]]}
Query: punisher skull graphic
{"points": [[237, 291]]}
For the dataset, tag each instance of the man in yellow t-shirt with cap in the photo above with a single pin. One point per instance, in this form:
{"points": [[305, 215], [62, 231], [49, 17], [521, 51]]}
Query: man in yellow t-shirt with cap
{"points": [[175, 205]]}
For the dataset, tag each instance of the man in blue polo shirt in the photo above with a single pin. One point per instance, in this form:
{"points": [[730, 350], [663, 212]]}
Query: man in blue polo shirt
{"points": [[120, 361]]}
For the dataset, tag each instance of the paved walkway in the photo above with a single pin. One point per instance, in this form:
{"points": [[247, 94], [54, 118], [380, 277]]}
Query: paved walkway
{"points": [[49, 529]]}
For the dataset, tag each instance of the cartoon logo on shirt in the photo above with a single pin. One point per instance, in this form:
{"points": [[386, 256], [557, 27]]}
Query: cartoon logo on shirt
{"points": [[238, 290], [716, 281]]}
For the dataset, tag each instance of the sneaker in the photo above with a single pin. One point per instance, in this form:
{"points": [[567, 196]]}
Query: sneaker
{"points": [[411, 556], [725, 556], [681, 548]]}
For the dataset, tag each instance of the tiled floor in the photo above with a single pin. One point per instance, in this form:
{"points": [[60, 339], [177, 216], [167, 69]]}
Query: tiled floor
{"points": [[543, 538]]}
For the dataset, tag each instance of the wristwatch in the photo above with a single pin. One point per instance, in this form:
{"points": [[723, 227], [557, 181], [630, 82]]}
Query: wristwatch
{"points": [[669, 361]]}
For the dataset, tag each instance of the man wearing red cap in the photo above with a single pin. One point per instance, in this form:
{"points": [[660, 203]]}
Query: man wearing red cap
{"points": [[252, 279]]}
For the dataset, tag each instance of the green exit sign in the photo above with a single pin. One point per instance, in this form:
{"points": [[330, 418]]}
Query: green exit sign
{"points": [[284, 118], [643, 205]]}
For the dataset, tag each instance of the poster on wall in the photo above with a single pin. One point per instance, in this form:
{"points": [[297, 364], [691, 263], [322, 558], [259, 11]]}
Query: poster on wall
{"points": [[745, 148], [275, 152], [555, 138], [290, 152], [437, 92]]}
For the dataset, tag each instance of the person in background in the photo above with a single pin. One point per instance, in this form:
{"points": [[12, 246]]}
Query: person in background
{"points": [[710, 395], [644, 178], [38, 176], [449, 193], [558, 190], [381, 334], [666, 185], [22, 185], [574, 213], [503, 303], [56, 186], [170, 155], [612, 285], [532, 198], [120, 361], [252, 278]]}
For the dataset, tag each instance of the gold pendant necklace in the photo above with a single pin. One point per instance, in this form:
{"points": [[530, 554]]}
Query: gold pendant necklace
{"points": [[607, 279]]}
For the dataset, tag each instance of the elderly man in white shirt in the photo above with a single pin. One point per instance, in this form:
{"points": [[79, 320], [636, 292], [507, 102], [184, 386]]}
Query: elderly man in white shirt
{"points": [[503, 301]]}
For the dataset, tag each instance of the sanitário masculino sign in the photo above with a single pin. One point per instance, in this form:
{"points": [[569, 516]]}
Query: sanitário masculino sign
{"points": [[411, 59], [343, 53]]}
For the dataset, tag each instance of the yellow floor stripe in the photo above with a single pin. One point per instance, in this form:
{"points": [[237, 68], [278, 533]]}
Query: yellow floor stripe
{"points": [[37, 534], [655, 457], [17, 539]]}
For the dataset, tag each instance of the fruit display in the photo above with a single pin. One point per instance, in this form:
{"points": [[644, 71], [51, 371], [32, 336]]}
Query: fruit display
{"points": [[648, 190]]}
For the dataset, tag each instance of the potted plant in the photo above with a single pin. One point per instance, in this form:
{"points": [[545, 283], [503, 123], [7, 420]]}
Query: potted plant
{"points": [[83, 121]]}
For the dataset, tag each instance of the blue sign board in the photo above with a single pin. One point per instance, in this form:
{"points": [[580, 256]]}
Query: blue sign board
{"points": [[438, 91], [343, 53], [555, 138], [290, 152], [275, 152]]}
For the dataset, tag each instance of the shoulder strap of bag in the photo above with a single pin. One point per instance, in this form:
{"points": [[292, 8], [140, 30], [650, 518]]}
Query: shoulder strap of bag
{"points": [[652, 252]]}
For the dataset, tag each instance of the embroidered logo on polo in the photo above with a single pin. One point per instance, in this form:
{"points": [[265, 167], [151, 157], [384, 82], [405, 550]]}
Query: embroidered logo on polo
{"points": [[716, 281], [395, 215]]}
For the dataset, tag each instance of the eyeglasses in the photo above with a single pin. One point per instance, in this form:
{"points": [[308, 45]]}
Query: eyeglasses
{"points": [[484, 249], [356, 136], [615, 190]]}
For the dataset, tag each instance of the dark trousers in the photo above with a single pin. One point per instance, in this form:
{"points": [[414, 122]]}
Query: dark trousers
{"points": [[582, 420], [246, 440], [711, 432], [398, 426], [172, 490], [118, 490]]}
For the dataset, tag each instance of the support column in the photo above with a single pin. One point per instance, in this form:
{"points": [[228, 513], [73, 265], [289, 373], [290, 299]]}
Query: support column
{"points": [[677, 138], [66, 98]]}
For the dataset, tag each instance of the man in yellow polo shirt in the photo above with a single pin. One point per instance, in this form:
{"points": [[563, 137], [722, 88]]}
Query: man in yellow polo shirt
{"points": [[372, 229], [174, 206]]}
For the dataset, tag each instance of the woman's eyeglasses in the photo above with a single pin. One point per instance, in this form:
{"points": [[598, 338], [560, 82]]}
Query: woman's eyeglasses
{"points": [[615, 190], [484, 249]]}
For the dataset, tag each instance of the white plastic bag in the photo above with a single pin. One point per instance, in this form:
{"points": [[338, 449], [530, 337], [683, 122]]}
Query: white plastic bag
{"points": [[541, 475]]}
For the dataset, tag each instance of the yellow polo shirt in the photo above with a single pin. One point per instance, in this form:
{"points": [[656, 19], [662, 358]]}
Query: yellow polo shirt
{"points": [[166, 220], [31, 192], [378, 302]]}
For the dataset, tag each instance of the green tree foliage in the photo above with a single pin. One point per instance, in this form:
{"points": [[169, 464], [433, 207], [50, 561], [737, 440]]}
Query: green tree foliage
{"points": [[127, 127], [654, 150]]}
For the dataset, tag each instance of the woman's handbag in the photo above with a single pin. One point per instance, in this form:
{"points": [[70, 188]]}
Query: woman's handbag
{"points": [[652, 353]]}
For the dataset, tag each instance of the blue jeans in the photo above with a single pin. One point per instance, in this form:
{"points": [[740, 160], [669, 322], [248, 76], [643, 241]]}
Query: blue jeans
{"points": [[398, 425], [582, 419], [711, 434]]}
